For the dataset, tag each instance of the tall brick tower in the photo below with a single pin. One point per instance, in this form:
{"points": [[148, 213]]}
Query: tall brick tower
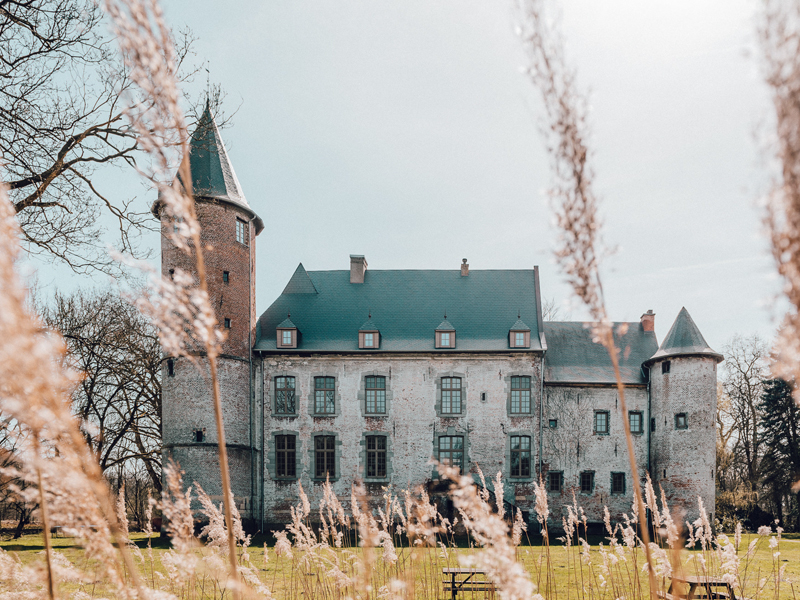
{"points": [[683, 388], [229, 230]]}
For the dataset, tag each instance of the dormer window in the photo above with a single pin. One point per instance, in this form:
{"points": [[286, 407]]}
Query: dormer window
{"points": [[445, 335], [369, 338], [519, 336], [286, 334]]}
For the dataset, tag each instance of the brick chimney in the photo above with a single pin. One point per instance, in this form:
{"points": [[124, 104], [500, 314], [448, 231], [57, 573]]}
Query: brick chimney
{"points": [[464, 267], [649, 321], [358, 266]]}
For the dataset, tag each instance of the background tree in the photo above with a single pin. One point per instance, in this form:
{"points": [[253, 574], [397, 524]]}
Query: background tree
{"points": [[61, 117], [781, 462], [119, 398]]}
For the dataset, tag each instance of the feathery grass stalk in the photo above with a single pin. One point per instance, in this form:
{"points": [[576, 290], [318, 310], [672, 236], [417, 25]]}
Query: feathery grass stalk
{"points": [[45, 519], [575, 204]]}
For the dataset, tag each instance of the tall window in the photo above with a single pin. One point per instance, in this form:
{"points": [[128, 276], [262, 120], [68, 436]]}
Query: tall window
{"points": [[520, 395], [376, 456], [520, 456], [555, 481], [324, 456], [665, 366], [587, 482], [285, 396], [241, 232], [376, 395], [285, 454], [636, 421], [601, 422], [618, 483], [451, 451], [451, 395], [444, 339], [324, 395]]}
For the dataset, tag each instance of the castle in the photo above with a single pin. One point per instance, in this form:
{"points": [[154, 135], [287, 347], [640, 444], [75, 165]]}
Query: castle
{"points": [[367, 375]]}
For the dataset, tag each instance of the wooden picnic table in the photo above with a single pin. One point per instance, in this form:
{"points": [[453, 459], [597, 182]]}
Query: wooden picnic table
{"points": [[701, 586], [455, 585]]}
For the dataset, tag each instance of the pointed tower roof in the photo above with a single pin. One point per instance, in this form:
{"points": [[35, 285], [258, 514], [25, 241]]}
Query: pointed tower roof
{"points": [[300, 283], [684, 339], [213, 177], [286, 324]]}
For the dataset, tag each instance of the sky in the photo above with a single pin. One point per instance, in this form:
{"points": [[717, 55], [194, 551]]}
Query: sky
{"points": [[408, 132]]}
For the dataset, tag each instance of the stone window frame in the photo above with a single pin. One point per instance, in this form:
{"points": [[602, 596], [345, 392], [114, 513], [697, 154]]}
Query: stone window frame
{"points": [[608, 422], [273, 396], [552, 423], [525, 432], [641, 421], [594, 481], [362, 394], [451, 431], [464, 387], [312, 406], [362, 456], [560, 489], [685, 416], [507, 383], [337, 455], [624, 483], [272, 458]]}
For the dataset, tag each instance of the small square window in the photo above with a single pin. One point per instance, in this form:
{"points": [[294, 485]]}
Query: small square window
{"points": [[286, 337], [241, 232], [519, 339], [226, 277], [665, 367], [681, 422], [618, 483], [553, 423], [445, 339], [636, 422], [555, 481], [199, 435], [601, 422], [587, 482], [369, 340], [227, 323]]}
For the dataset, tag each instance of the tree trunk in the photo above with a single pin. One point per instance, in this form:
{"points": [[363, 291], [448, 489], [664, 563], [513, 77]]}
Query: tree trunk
{"points": [[24, 518]]}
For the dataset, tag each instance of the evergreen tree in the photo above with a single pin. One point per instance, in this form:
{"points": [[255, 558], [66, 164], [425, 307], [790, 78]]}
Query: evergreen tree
{"points": [[781, 464]]}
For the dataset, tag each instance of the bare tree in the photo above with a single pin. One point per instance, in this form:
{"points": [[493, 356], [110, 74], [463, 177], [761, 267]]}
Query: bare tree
{"points": [[743, 384], [119, 397], [61, 118]]}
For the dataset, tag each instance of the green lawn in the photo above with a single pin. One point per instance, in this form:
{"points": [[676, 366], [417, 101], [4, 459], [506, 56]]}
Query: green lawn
{"points": [[287, 578]]}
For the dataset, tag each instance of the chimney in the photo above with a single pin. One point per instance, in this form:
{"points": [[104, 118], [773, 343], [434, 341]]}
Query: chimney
{"points": [[358, 266], [464, 267], [649, 321]]}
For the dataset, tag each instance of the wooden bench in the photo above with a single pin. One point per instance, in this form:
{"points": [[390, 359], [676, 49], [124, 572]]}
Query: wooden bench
{"points": [[455, 584], [699, 587]]}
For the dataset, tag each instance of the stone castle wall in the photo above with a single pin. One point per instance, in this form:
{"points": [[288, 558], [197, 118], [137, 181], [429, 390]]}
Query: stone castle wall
{"points": [[683, 460]]}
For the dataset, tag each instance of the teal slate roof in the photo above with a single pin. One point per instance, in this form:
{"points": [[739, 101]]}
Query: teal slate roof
{"points": [[408, 304], [445, 326], [368, 325], [286, 324], [684, 338], [519, 326], [572, 356]]}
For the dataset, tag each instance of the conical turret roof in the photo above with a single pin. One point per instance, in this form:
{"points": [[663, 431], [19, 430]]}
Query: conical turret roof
{"points": [[213, 177], [684, 338]]}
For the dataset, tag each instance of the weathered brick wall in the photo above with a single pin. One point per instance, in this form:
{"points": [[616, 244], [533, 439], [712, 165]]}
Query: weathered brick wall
{"points": [[683, 460], [187, 403], [573, 447], [411, 423]]}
